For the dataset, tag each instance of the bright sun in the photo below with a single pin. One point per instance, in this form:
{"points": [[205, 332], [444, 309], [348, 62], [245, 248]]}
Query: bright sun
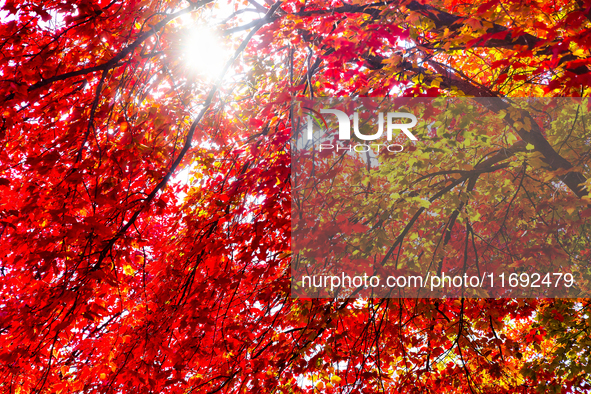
{"points": [[205, 52]]}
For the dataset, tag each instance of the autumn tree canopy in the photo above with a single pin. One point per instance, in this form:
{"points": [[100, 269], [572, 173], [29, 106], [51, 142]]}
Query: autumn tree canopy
{"points": [[145, 184]]}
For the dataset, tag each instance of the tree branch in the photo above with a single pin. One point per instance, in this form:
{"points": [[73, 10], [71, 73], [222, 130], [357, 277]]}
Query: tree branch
{"points": [[187, 144], [114, 62]]}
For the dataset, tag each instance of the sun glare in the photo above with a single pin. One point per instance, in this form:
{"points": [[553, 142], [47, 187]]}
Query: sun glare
{"points": [[205, 52]]}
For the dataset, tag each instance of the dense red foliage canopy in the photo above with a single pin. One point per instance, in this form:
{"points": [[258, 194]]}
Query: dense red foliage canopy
{"points": [[145, 205]]}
